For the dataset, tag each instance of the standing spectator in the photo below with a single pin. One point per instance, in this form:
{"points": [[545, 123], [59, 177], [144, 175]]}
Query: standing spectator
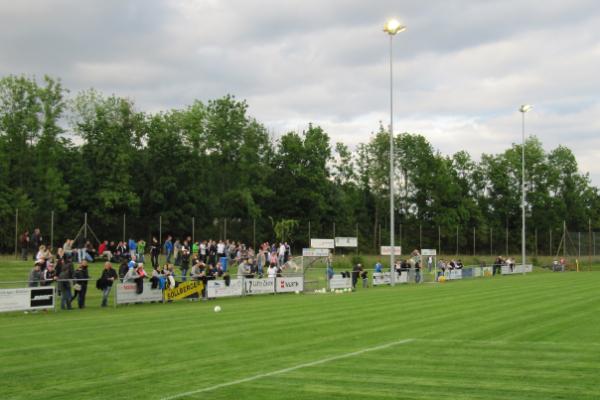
{"points": [[36, 240], [169, 248], [106, 281], [48, 275], [356, 270], [185, 260], [81, 282], [177, 252], [132, 244], [378, 267], [212, 253], [24, 245], [417, 272], [154, 252], [281, 254], [65, 276], [196, 248], [79, 245], [261, 261], [329, 268], [203, 251], [141, 249], [35, 275], [220, 249]]}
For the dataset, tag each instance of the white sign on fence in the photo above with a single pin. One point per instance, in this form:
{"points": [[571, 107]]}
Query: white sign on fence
{"points": [[310, 252], [346, 242], [219, 289], [382, 278], [289, 284], [127, 293], [428, 252], [259, 286], [337, 282], [517, 269], [402, 277], [387, 250], [22, 299], [322, 243]]}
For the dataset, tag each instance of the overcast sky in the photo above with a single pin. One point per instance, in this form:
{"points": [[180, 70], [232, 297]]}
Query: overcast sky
{"points": [[462, 68]]}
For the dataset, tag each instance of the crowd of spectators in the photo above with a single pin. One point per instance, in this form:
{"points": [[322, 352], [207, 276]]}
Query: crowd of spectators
{"points": [[185, 259]]}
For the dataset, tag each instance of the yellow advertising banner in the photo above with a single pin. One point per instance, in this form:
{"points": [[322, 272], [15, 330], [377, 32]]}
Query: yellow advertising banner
{"points": [[185, 289]]}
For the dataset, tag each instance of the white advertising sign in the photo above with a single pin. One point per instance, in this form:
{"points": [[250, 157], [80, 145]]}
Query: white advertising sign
{"points": [[21, 299], [387, 250], [289, 284], [517, 269], [402, 277], [337, 282], [219, 289], [126, 293], [322, 243], [346, 242], [259, 286], [428, 252], [382, 278], [310, 252]]}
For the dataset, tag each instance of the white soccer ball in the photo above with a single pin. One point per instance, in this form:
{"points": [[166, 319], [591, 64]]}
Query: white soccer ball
{"points": [[297, 292], [217, 308]]}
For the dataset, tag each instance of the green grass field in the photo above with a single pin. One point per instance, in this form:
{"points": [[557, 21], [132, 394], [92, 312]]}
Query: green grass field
{"points": [[515, 337]]}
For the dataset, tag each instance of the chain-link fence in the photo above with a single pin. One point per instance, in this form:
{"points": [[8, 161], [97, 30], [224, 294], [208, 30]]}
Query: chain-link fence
{"points": [[459, 240]]}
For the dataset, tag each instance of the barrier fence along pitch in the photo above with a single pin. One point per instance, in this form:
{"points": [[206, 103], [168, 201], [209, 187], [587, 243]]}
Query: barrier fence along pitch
{"points": [[297, 281]]}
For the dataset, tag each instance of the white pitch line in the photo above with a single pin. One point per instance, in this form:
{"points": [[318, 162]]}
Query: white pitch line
{"points": [[283, 371]]}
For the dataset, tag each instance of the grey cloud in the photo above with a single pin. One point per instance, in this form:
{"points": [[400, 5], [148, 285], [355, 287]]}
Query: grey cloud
{"points": [[461, 68]]}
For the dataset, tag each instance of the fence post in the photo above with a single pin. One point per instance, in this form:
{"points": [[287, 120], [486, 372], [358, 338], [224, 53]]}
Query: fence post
{"points": [[590, 243], [17, 232], [52, 229], [357, 238], [506, 240], [193, 229], [457, 240]]}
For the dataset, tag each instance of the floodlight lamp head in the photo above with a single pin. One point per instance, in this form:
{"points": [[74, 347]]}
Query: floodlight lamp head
{"points": [[525, 108], [393, 26]]}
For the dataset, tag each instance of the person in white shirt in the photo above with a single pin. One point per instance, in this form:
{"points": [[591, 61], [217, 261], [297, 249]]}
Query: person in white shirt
{"points": [[220, 249], [281, 254], [272, 271]]}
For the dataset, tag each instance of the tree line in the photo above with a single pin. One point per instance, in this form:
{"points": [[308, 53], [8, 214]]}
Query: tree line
{"points": [[98, 154]]}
